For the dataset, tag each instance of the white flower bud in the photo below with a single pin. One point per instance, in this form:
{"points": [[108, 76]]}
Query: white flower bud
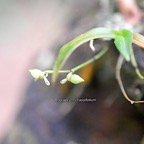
{"points": [[68, 77], [63, 81], [46, 81], [37, 74], [76, 79]]}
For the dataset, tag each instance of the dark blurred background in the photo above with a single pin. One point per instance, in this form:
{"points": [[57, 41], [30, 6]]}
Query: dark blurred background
{"points": [[31, 34]]}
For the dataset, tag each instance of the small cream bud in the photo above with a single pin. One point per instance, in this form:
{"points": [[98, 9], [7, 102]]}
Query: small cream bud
{"points": [[63, 81], [76, 79], [46, 81], [37, 74], [69, 76]]}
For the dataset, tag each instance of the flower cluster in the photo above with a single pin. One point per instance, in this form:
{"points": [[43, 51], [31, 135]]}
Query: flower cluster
{"points": [[38, 74]]}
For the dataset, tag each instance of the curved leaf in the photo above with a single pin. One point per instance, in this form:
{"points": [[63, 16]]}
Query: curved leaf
{"points": [[138, 39], [68, 48]]}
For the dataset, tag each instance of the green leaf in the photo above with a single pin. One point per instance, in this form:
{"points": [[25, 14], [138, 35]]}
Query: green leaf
{"points": [[123, 41], [68, 48], [121, 46]]}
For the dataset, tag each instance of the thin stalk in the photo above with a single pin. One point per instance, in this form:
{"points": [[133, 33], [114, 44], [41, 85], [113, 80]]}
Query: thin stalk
{"points": [[51, 71], [96, 57], [134, 63], [118, 69]]}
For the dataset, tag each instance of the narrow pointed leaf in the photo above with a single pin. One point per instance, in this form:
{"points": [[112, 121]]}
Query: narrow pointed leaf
{"points": [[46, 81], [123, 41], [121, 46], [68, 48]]}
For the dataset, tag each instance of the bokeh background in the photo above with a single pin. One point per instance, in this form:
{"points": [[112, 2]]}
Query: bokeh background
{"points": [[31, 34]]}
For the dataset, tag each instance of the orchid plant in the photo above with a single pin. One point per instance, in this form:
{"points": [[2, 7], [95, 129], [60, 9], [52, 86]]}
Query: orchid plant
{"points": [[123, 40]]}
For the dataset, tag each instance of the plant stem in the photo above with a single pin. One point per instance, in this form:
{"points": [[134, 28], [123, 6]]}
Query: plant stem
{"points": [[61, 71], [118, 76], [96, 57]]}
